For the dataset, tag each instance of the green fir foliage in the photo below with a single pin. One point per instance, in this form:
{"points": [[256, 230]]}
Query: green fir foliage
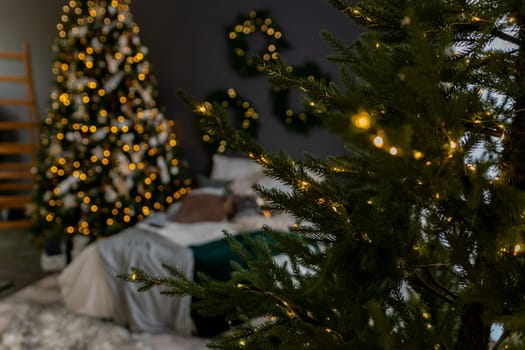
{"points": [[413, 238]]}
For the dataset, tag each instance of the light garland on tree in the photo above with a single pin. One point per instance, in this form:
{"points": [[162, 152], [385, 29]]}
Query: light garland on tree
{"points": [[108, 157]]}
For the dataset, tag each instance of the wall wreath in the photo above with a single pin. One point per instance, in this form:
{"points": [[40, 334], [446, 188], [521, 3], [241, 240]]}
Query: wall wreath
{"points": [[300, 121], [241, 60], [246, 64], [243, 117]]}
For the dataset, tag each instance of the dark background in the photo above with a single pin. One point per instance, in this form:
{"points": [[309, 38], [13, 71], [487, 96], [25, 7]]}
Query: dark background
{"points": [[188, 50]]}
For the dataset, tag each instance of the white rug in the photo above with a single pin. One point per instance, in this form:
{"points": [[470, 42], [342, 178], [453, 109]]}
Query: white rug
{"points": [[52, 327], [35, 319]]}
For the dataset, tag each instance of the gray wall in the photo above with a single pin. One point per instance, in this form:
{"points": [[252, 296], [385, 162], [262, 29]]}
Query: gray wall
{"points": [[32, 21], [188, 50]]}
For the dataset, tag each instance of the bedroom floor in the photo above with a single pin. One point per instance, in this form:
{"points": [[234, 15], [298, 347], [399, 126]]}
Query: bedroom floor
{"points": [[19, 261]]}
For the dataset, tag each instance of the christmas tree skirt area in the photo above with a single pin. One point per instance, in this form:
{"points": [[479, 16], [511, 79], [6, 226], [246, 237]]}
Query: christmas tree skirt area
{"points": [[35, 318]]}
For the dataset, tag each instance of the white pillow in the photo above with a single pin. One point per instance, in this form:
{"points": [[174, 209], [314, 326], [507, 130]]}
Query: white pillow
{"points": [[232, 168]]}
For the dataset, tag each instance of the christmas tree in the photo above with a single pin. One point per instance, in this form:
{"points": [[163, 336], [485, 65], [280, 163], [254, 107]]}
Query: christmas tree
{"points": [[414, 238], [108, 155]]}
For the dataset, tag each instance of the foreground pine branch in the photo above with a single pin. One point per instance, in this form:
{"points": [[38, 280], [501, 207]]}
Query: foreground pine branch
{"points": [[414, 237]]}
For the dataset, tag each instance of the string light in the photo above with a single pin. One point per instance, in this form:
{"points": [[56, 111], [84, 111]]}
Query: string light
{"points": [[518, 249], [362, 120], [378, 141], [452, 146], [417, 155], [303, 185]]}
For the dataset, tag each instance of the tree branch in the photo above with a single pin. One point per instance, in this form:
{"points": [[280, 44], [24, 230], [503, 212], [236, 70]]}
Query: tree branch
{"points": [[504, 36]]}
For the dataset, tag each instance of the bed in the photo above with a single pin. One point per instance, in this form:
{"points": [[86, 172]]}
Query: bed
{"points": [[188, 235]]}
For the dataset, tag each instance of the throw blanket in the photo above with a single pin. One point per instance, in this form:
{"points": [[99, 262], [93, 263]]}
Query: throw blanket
{"points": [[147, 311], [88, 284]]}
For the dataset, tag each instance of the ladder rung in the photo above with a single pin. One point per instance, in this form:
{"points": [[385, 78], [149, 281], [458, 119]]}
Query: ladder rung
{"points": [[10, 174], [22, 174], [16, 166], [16, 186], [13, 55], [18, 125], [14, 201], [14, 79], [17, 148], [16, 102], [18, 170], [15, 223]]}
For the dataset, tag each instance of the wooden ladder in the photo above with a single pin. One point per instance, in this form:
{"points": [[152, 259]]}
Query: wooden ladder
{"points": [[19, 134]]}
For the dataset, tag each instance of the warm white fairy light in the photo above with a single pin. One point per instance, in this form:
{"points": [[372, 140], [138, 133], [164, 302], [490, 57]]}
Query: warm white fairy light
{"points": [[362, 120], [417, 155], [378, 141], [518, 248]]}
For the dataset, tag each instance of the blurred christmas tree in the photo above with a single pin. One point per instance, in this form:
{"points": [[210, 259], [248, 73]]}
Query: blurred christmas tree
{"points": [[109, 156], [414, 238]]}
